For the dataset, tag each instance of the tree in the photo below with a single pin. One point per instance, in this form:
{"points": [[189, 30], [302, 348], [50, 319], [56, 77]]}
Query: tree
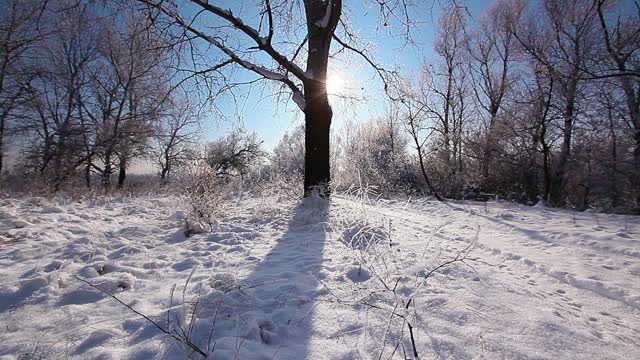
{"points": [[288, 154], [18, 36], [492, 51], [60, 65], [174, 138], [414, 110], [450, 45], [562, 39], [234, 154], [127, 90], [317, 21], [622, 44]]}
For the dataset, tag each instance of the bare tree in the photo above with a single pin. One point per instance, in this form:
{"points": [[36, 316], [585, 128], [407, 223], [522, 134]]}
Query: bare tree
{"points": [[128, 88], [541, 99], [235, 153], [174, 138], [416, 122], [561, 37], [621, 37], [18, 35], [436, 109], [54, 94], [276, 39], [492, 51], [451, 46]]}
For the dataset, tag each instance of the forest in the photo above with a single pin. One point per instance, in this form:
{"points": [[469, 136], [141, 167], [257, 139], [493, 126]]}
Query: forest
{"points": [[528, 102]]}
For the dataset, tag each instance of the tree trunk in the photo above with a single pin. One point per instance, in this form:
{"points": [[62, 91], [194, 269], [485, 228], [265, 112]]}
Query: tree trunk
{"points": [[106, 173], [488, 151], [636, 162], [122, 172], [317, 111], [87, 173], [558, 181], [634, 113], [426, 177], [318, 115]]}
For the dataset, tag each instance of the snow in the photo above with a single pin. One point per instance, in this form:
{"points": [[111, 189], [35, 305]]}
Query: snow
{"points": [[279, 279], [272, 75]]}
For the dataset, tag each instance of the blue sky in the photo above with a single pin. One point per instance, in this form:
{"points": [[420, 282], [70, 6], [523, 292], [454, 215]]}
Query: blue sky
{"points": [[271, 120]]}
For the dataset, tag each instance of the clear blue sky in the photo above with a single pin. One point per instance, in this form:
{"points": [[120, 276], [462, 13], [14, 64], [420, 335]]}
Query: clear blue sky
{"points": [[271, 120]]}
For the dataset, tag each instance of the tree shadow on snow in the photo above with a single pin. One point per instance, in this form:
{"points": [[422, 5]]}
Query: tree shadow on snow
{"points": [[269, 313]]}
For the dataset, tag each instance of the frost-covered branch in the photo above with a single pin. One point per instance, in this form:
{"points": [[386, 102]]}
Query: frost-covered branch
{"points": [[260, 70], [264, 44]]}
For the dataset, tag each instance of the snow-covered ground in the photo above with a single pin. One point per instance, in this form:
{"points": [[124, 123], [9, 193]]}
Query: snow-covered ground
{"points": [[354, 280]]}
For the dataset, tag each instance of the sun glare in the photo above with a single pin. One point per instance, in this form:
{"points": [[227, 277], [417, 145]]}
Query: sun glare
{"points": [[334, 84]]}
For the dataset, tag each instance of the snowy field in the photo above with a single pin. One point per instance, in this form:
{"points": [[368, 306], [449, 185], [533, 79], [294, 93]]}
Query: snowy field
{"points": [[353, 280]]}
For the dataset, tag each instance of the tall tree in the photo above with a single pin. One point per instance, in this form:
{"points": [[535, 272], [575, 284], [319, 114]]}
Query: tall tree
{"points": [[272, 50], [492, 51], [18, 35], [621, 37], [561, 37]]}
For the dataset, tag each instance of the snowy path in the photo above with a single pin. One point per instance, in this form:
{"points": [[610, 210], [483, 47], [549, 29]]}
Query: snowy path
{"points": [[276, 280]]}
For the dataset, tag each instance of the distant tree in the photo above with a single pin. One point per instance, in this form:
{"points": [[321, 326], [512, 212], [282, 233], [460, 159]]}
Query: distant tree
{"points": [[126, 92], [414, 109], [56, 130], [492, 49], [175, 138], [18, 36], [235, 153], [621, 37], [288, 154], [561, 37], [451, 45]]}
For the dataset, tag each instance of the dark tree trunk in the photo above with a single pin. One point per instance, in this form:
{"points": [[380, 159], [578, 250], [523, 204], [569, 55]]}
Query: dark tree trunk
{"points": [[546, 158], [166, 167], [488, 152], [87, 173], [558, 182], [426, 177], [416, 141], [318, 114], [163, 174], [122, 172], [317, 111]]}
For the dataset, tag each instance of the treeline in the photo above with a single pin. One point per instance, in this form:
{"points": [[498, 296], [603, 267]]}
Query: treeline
{"points": [[85, 90], [536, 100]]}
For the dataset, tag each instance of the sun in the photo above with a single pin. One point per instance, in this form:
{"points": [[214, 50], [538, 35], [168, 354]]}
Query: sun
{"points": [[335, 84]]}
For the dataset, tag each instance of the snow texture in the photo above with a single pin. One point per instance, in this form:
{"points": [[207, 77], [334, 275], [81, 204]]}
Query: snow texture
{"points": [[276, 279]]}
